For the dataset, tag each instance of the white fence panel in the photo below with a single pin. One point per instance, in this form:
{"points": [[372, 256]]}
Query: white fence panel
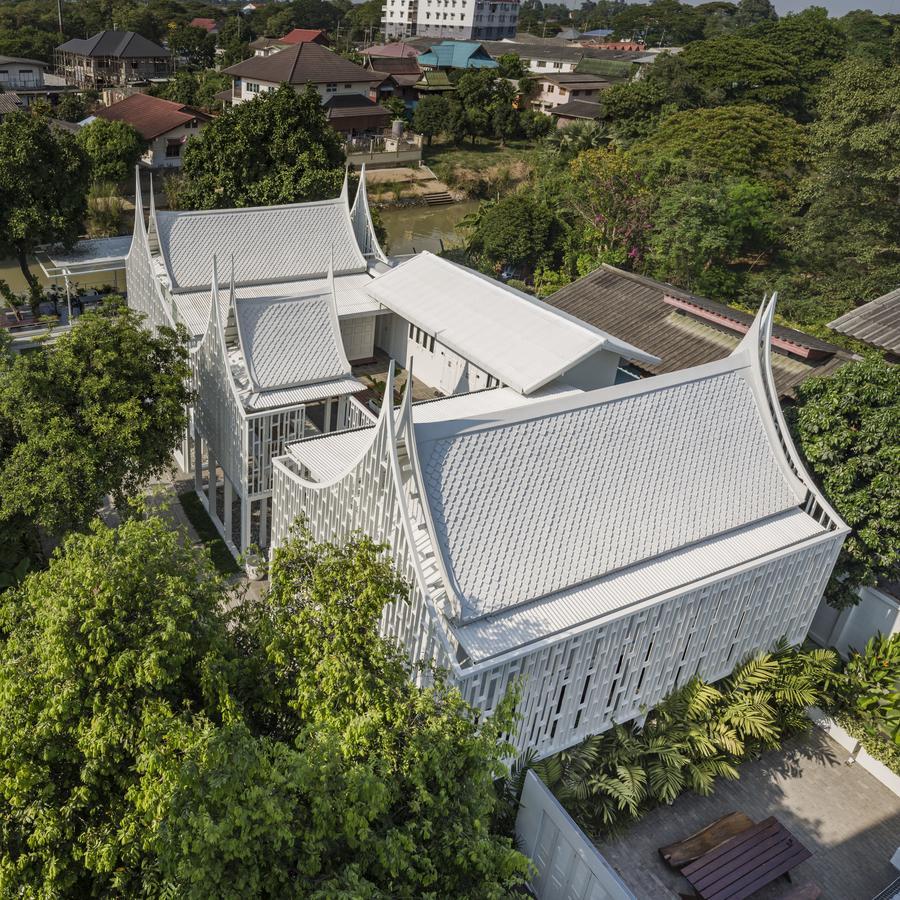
{"points": [[569, 866]]}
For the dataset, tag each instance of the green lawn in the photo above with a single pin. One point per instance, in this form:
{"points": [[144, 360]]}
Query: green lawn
{"points": [[484, 154], [212, 540]]}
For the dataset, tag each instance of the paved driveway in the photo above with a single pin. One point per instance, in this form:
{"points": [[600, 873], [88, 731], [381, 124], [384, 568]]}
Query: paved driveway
{"points": [[845, 818]]}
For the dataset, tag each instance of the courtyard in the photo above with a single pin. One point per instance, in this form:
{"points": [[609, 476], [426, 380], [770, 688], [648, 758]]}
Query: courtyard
{"points": [[846, 818]]}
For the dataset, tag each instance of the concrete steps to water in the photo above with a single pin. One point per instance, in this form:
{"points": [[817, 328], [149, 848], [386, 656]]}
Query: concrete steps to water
{"points": [[438, 198]]}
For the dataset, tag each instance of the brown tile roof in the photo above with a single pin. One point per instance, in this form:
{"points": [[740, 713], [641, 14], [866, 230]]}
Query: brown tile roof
{"points": [[397, 65], [9, 103], [577, 109], [301, 35], [686, 330], [877, 322], [388, 51], [151, 116], [302, 64], [342, 106]]}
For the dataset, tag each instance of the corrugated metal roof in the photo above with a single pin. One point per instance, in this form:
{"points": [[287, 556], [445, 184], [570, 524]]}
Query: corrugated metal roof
{"points": [[349, 290], [536, 500], [290, 341], [331, 455], [633, 308], [269, 244], [520, 340], [295, 396], [877, 322], [653, 578]]}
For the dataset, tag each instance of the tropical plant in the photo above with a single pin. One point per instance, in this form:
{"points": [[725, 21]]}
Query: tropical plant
{"points": [[573, 139], [869, 687], [697, 734]]}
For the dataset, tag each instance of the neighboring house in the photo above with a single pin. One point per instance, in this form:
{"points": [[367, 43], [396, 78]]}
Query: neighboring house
{"points": [[685, 330], [467, 20], [353, 114], [876, 323], [391, 51], [265, 46], [553, 90], [272, 331], [111, 58], [456, 55], [542, 56], [330, 74], [575, 111], [401, 74], [434, 81], [164, 125], [29, 79], [210, 26], [595, 548]]}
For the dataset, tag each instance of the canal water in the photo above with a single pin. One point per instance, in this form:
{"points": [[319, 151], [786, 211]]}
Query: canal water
{"points": [[12, 275], [412, 229]]}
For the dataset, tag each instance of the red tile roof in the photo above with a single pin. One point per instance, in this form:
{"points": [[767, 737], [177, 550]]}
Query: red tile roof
{"points": [[303, 35], [151, 116], [205, 24]]}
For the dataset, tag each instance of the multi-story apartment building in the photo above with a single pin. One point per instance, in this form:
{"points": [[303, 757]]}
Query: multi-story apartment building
{"points": [[465, 20]]}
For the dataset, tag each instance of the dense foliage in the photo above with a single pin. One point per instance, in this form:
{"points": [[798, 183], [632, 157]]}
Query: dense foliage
{"points": [[113, 149], [848, 428], [276, 148], [699, 733], [94, 414], [154, 744], [44, 176]]}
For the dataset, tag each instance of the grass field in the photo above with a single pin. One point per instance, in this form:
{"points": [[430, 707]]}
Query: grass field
{"points": [[484, 154], [199, 518]]}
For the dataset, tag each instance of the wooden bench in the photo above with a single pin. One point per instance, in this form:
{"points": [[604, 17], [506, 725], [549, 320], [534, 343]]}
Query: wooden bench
{"points": [[682, 852], [745, 863]]}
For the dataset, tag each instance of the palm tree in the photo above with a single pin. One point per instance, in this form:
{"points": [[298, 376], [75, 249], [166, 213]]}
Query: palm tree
{"points": [[573, 139]]}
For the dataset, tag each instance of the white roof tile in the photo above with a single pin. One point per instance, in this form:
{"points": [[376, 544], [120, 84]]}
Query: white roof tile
{"points": [[269, 244], [492, 635], [290, 341], [349, 291], [520, 340], [308, 393], [532, 502]]}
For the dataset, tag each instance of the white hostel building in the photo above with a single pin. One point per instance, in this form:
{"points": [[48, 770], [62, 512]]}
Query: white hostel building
{"points": [[597, 546]]}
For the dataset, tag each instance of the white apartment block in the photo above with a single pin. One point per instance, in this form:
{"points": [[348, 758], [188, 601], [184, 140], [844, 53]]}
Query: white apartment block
{"points": [[465, 20]]}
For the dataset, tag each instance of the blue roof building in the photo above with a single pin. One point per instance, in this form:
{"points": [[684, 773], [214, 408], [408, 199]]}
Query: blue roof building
{"points": [[456, 55]]}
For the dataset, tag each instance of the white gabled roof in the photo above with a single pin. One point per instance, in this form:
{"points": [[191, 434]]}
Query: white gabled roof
{"points": [[522, 341], [290, 341], [269, 244], [534, 501]]}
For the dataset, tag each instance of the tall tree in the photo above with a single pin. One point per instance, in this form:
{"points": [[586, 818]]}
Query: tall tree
{"points": [[44, 177], [848, 428], [154, 744], [431, 115], [753, 12], [849, 235], [113, 148], [276, 148], [94, 414]]}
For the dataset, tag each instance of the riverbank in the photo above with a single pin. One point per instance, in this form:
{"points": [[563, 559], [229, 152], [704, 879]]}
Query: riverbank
{"points": [[411, 229]]}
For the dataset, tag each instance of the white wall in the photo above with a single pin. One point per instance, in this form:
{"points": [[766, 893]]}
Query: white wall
{"points": [[598, 370], [343, 87], [545, 64], [21, 74], [568, 864], [550, 95], [358, 335], [876, 611], [156, 153]]}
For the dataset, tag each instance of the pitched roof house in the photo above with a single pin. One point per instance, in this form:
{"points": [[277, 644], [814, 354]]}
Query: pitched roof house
{"points": [[456, 55], [266, 46], [345, 88], [111, 58], [166, 126], [685, 330], [876, 322], [598, 546], [210, 26]]}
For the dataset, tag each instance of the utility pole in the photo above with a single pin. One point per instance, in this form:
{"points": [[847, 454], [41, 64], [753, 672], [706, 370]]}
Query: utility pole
{"points": [[59, 13]]}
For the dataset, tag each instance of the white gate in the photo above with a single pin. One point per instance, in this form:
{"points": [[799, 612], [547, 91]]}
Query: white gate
{"points": [[569, 866]]}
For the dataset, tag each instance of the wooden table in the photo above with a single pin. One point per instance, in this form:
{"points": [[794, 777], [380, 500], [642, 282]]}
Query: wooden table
{"points": [[745, 863]]}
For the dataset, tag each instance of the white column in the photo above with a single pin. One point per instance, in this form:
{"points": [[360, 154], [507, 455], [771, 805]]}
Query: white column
{"points": [[342, 413], [226, 485], [198, 461], [211, 482], [327, 422], [263, 521], [245, 524]]}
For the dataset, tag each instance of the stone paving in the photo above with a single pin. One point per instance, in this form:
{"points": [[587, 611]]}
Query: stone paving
{"points": [[846, 818]]}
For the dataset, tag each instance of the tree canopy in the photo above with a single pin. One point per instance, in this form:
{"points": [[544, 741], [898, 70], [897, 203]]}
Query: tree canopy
{"points": [[44, 177], [96, 413], [113, 148], [276, 148], [154, 744], [848, 428]]}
